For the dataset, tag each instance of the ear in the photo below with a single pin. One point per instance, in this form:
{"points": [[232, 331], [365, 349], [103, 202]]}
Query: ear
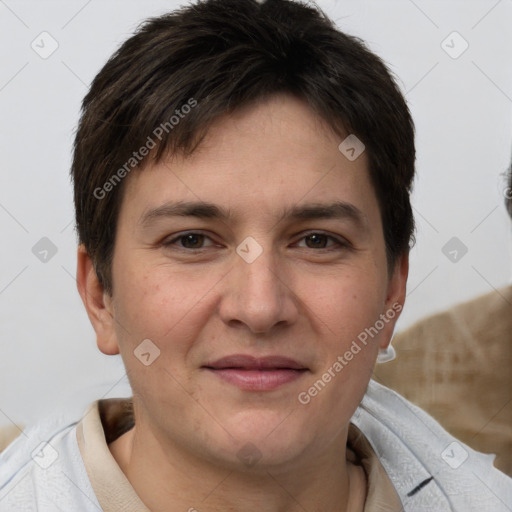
{"points": [[395, 298], [97, 302]]}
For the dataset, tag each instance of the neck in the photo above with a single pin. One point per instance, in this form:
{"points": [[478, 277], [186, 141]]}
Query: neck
{"points": [[167, 478]]}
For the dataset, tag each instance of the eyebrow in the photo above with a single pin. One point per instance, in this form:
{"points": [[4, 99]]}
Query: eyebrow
{"points": [[199, 209]]}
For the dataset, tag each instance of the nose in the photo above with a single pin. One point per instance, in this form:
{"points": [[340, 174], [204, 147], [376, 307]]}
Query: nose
{"points": [[259, 295]]}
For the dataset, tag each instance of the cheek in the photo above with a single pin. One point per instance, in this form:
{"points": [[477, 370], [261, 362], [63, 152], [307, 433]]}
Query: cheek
{"points": [[347, 307], [170, 309], [161, 304], [345, 303]]}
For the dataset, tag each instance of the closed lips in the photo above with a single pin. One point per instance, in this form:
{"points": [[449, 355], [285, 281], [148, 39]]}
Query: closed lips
{"points": [[251, 363]]}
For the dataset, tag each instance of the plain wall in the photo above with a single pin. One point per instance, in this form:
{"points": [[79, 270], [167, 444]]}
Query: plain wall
{"points": [[463, 113]]}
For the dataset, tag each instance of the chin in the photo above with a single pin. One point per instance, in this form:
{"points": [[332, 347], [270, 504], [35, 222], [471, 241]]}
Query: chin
{"points": [[263, 441]]}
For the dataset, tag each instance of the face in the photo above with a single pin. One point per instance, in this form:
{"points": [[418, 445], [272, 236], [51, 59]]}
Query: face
{"points": [[253, 267]]}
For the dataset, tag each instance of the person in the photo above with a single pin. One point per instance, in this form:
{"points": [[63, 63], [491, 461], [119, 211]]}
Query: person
{"points": [[242, 173], [462, 352]]}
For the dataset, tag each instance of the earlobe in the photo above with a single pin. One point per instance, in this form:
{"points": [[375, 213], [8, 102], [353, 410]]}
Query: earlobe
{"points": [[97, 302]]}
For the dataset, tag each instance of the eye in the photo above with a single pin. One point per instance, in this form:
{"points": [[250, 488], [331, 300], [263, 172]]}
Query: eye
{"points": [[190, 240], [196, 241], [316, 240]]}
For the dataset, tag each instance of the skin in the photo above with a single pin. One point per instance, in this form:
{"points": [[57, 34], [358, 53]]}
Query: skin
{"points": [[303, 297]]}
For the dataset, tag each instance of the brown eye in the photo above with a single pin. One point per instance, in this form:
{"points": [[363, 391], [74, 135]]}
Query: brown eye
{"points": [[192, 241], [189, 240], [317, 240]]}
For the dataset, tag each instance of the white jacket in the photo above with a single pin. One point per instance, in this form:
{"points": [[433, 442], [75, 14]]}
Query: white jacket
{"points": [[430, 470]]}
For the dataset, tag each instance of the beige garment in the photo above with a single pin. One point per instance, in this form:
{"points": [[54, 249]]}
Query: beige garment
{"points": [[457, 366], [108, 419], [7, 435]]}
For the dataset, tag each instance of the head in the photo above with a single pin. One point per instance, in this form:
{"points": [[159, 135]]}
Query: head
{"points": [[246, 117], [508, 192]]}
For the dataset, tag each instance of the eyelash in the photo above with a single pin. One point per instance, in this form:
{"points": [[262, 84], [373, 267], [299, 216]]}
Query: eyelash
{"points": [[340, 243]]}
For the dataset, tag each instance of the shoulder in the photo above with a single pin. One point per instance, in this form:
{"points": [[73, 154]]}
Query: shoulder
{"points": [[428, 467], [42, 470]]}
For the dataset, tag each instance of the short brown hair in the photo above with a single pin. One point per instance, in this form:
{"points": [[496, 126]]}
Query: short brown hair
{"points": [[224, 55]]}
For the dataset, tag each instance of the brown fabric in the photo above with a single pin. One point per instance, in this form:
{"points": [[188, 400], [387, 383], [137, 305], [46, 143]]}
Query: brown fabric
{"points": [[457, 366], [106, 419], [7, 435]]}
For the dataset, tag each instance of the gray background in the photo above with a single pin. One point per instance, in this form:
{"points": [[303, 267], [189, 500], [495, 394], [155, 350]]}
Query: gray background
{"points": [[461, 106]]}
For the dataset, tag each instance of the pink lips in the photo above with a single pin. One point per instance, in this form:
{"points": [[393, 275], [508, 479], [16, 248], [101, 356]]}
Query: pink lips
{"points": [[256, 374]]}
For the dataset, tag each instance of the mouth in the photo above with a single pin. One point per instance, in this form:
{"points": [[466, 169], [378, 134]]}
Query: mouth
{"points": [[257, 374]]}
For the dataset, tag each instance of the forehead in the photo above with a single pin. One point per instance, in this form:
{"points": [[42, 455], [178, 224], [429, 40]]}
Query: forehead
{"points": [[269, 157]]}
